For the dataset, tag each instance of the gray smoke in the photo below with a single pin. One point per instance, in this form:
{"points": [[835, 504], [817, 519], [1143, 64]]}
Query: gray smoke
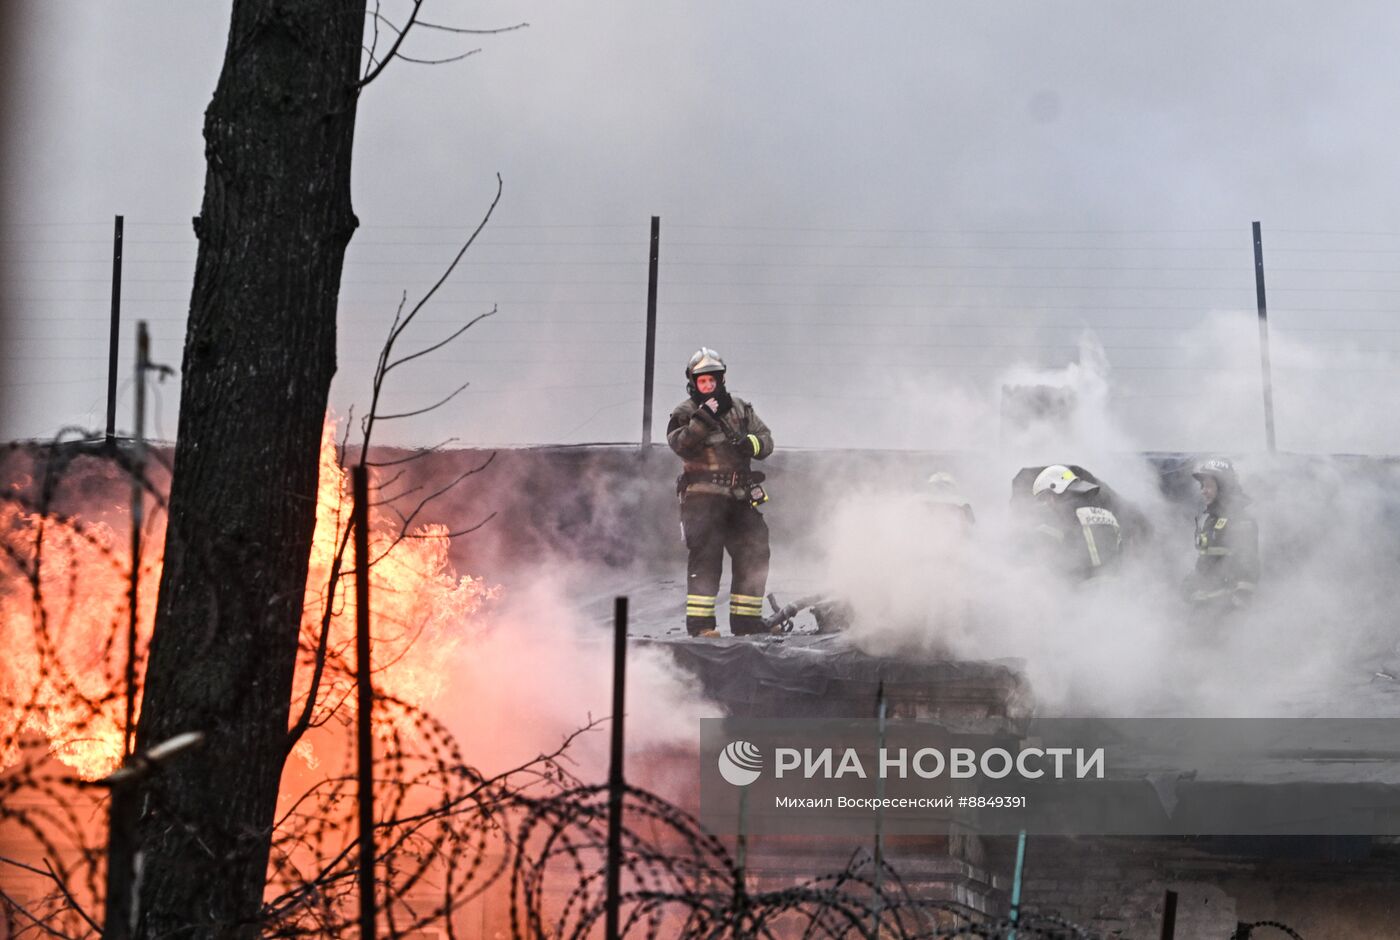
{"points": [[1319, 630]]}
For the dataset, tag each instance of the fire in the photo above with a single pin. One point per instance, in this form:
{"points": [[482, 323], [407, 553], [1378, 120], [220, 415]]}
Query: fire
{"points": [[61, 675], [421, 610], [63, 622]]}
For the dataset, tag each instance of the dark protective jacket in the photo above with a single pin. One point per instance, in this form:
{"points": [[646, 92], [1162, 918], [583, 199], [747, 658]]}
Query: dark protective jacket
{"points": [[1227, 556], [717, 451], [1080, 538]]}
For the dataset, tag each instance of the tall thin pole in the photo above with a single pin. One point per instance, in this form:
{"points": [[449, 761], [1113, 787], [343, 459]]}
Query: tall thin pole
{"points": [[122, 917], [1016, 882], [650, 377], [360, 484], [741, 865], [1264, 337], [114, 337], [881, 710], [741, 843], [615, 784], [138, 513]]}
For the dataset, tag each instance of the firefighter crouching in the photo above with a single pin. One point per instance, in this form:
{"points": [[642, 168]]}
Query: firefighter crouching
{"points": [[1227, 544], [1077, 535], [717, 436]]}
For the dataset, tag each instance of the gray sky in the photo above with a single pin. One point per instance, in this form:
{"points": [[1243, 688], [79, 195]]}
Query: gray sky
{"points": [[873, 211]]}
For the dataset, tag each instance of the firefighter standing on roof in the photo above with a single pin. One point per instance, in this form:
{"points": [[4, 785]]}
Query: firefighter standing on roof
{"points": [[1227, 544], [717, 436]]}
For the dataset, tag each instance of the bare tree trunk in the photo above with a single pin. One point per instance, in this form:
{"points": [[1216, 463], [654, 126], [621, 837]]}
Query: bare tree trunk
{"points": [[258, 361]]}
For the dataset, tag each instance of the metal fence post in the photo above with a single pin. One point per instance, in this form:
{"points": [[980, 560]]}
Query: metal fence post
{"points": [[649, 377], [114, 337], [1264, 367], [615, 779], [365, 701]]}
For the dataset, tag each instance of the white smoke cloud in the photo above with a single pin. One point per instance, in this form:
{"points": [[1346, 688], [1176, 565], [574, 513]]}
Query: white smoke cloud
{"points": [[1129, 646], [541, 669]]}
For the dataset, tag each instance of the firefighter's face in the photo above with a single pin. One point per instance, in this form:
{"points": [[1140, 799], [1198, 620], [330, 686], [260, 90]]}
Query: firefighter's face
{"points": [[706, 384], [1210, 489]]}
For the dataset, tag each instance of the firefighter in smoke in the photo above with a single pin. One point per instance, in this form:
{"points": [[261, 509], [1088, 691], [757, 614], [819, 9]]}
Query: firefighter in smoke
{"points": [[947, 504], [1079, 535], [1227, 544], [944, 591], [718, 436]]}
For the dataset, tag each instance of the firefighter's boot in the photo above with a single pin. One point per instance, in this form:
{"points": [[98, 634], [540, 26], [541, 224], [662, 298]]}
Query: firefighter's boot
{"points": [[700, 615], [746, 615]]}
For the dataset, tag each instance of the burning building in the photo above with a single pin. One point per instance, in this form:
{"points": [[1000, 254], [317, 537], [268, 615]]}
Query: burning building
{"points": [[510, 669]]}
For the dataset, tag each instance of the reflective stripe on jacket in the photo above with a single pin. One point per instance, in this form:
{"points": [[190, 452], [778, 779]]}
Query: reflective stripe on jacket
{"points": [[723, 445], [1227, 554], [1087, 540]]}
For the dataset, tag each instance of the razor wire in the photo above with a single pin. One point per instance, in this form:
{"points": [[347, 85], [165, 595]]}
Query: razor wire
{"points": [[533, 837], [446, 833]]}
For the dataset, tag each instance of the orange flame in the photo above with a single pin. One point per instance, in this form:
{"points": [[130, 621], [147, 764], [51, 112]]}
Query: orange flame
{"points": [[61, 674]]}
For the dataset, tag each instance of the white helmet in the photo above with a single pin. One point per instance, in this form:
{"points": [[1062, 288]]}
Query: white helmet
{"points": [[1059, 479], [943, 488], [705, 362], [1219, 467]]}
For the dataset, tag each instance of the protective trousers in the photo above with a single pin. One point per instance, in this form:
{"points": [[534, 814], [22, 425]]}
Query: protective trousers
{"points": [[714, 524]]}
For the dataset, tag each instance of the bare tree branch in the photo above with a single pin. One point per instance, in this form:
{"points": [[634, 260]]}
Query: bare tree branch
{"points": [[303, 722], [450, 535], [383, 500], [406, 521], [472, 32], [391, 481], [436, 346], [402, 322], [374, 41], [377, 70], [68, 896], [449, 59], [41, 924], [458, 30], [416, 455], [424, 410]]}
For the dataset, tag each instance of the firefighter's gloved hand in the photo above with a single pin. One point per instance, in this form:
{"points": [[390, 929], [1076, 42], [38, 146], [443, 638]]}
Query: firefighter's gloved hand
{"points": [[711, 405]]}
